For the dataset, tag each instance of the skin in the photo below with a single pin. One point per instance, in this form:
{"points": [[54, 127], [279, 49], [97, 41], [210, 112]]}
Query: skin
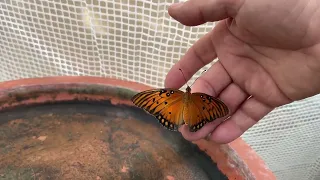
{"points": [[269, 56]]}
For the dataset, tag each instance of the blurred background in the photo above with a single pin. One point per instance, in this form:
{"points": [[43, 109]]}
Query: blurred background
{"points": [[136, 40]]}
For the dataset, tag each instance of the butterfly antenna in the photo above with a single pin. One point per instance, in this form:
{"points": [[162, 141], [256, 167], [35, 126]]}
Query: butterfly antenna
{"points": [[199, 76], [184, 76]]}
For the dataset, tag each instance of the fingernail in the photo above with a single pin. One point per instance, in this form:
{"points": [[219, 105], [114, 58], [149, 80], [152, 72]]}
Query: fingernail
{"points": [[177, 5]]}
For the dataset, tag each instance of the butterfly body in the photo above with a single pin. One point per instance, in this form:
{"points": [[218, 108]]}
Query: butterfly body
{"points": [[174, 108]]}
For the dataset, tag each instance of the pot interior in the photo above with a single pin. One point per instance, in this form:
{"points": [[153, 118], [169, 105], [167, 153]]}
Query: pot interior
{"points": [[87, 139]]}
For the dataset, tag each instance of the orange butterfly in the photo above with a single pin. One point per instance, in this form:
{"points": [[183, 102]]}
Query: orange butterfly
{"points": [[174, 108]]}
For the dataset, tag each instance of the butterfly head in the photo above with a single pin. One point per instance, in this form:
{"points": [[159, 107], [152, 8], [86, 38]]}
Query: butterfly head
{"points": [[188, 90]]}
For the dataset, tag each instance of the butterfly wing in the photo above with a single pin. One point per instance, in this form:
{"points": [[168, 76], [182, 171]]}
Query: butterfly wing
{"points": [[164, 104], [204, 108]]}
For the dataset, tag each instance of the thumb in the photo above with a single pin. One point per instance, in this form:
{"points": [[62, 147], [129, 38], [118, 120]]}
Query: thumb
{"points": [[196, 12]]}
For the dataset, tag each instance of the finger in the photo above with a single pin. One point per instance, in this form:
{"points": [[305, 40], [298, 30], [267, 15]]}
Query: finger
{"points": [[196, 12], [233, 96], [199, 55], [248, 115], [213, 81]]}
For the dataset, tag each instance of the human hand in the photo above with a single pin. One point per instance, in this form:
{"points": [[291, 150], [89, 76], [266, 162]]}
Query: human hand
{"points": [[269, 55]]}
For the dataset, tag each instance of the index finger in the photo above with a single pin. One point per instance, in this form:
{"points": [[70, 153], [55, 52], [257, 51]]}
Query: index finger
{"points": [[196, 12]]}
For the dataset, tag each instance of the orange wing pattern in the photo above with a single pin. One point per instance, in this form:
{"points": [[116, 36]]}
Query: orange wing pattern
{"points": [[165, 104], [203, 109]]}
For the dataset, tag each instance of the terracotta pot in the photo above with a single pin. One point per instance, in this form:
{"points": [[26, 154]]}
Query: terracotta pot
{"points": [[235, 160]]}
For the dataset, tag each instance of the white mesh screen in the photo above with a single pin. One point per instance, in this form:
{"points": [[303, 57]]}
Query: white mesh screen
{"points": [[138, 41]]}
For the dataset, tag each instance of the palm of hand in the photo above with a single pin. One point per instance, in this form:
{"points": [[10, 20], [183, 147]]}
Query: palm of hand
{"points": [[252, 63]]}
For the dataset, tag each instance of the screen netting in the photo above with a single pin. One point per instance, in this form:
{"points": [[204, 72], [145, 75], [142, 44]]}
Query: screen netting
{"points": [[136, 40]]}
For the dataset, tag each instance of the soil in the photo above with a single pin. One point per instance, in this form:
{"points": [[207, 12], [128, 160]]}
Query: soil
{"points": [[94, 141]]}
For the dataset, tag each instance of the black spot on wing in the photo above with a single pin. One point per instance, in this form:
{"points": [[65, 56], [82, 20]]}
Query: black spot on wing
{"points": [[162, 91], [166, 123], [198, 126]]}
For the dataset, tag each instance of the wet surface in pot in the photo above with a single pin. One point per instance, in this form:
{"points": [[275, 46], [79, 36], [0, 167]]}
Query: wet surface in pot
{"points": [[95, 141]]}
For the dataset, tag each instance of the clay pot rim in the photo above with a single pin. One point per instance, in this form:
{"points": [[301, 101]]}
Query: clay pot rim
{"points": [[254, 164]]}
